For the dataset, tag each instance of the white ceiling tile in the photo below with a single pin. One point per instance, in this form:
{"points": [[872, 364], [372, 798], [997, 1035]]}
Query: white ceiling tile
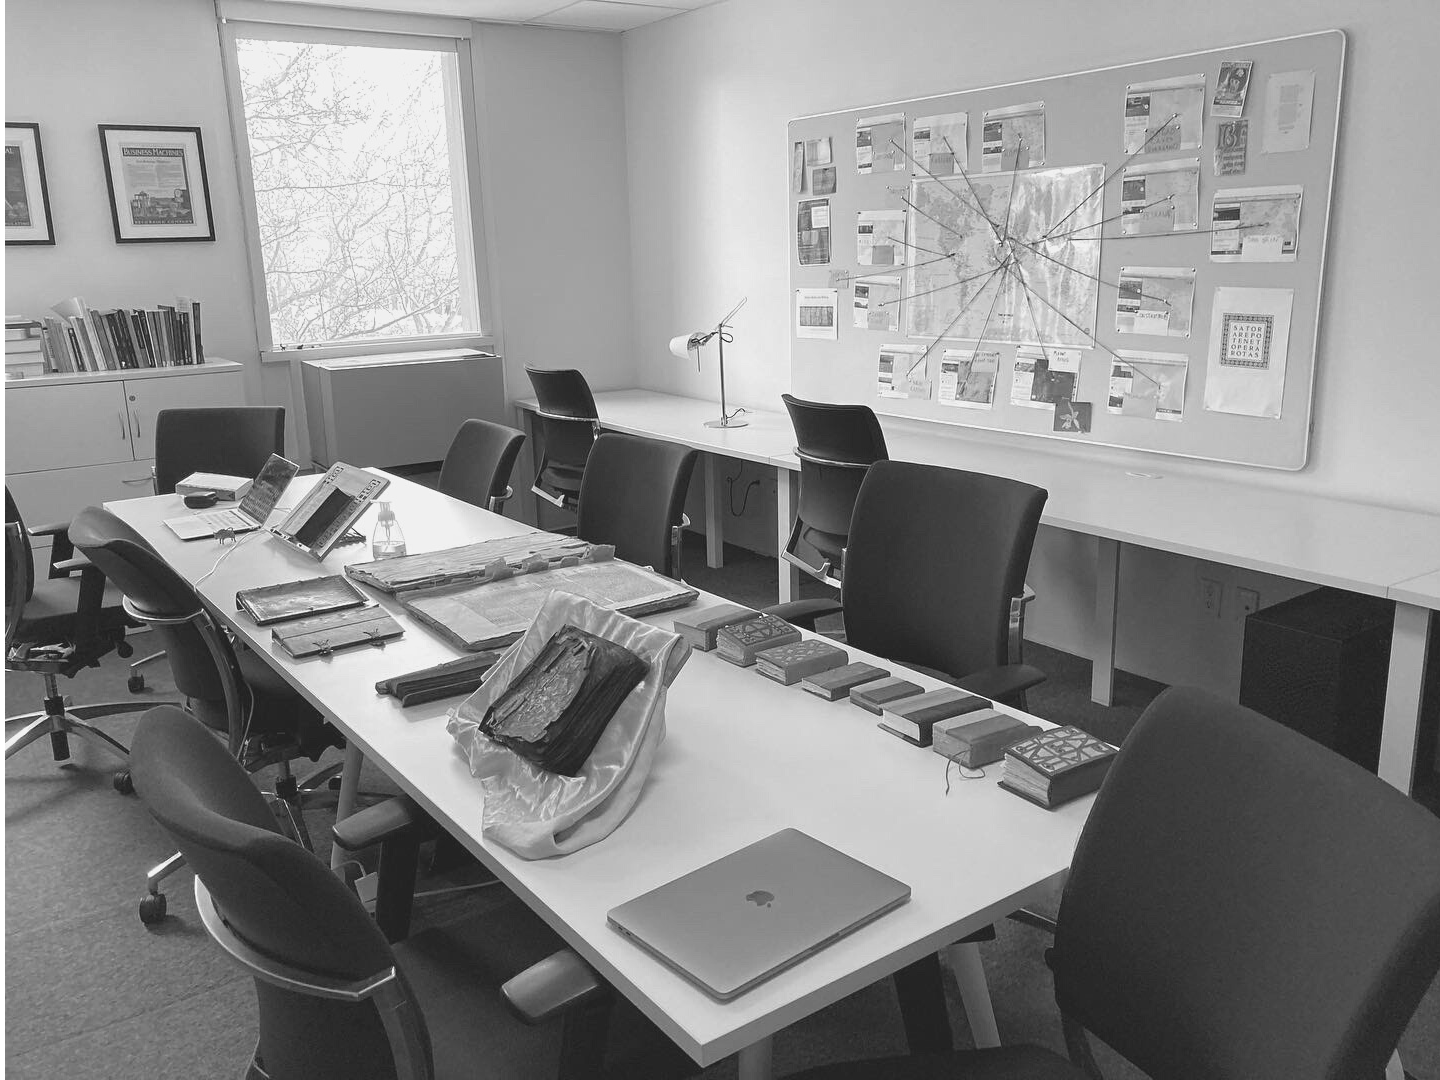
{"points": [[606, 15]]}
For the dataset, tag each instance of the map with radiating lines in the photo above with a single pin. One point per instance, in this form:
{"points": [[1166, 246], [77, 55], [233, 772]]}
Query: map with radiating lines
{"points": [[1005, 256]]}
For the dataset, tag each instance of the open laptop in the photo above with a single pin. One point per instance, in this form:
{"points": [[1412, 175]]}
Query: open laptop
{"points": [[745, 917], [259, 502]]}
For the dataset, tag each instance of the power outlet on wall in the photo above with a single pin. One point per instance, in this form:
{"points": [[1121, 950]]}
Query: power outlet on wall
{"points": [[1211, 594], [1247, 601]]}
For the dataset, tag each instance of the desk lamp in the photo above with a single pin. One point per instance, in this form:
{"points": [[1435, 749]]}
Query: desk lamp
{"points": [[687, 345]]}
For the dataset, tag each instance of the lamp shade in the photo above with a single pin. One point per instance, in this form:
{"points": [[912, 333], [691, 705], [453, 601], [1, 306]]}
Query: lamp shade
{"points": [[680, 346]]}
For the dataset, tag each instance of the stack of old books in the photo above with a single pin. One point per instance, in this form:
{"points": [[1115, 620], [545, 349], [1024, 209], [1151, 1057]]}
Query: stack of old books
{"points": [[1057, 766]]}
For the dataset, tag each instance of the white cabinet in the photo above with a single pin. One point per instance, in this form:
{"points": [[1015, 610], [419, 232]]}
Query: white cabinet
{"points": [[73, 441]]}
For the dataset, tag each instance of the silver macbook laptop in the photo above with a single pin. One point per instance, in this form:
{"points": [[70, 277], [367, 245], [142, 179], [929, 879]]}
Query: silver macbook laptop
{"points": [[741, 919], [259, 502]]}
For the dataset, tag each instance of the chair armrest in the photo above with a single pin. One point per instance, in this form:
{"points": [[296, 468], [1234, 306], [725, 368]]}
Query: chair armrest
{"points": [[60, 548], [393, 819], [552, 987], [803, 613], [1004, 681], [65, 567], [60, 528]]}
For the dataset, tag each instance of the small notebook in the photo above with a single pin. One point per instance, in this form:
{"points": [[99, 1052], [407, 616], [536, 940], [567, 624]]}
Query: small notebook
{"points": [[874, 696], [1056, 766], [320, 635], [837, 683], [788, 664], [292, 599], [700, 627], [912, 717], [739, 642]]}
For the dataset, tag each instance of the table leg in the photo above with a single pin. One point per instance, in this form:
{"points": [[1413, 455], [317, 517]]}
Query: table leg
{"points": [[755, 1060], [974, 992], [787, 493], [714, 513], [1408, 646], [1393, 1069], [1107, 605], [349, 788]]}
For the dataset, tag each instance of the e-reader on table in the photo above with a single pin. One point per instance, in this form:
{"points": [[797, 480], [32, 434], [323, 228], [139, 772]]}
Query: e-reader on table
{"points": [[743, 756]]}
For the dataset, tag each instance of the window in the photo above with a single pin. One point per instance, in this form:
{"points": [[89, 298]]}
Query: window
{"points": [[360, 221]]}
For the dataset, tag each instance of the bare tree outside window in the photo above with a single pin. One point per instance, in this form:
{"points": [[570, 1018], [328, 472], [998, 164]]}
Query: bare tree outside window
{"points": [[354, 190]]}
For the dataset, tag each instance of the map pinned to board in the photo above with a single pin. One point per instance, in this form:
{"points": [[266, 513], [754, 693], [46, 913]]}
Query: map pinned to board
{"points": [[1006, 256]]}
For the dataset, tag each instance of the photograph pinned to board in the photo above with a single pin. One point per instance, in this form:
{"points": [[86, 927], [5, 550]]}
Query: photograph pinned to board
{"points": [[816, 312], [904, 372], [822, 180], [1289, 98], [1161, 197], [1231, 88], [939, 143], [1259, 224], [27, 196], [1167, 114], [1157, 300], [1013, 138], [879, 142], [812, 232], [819, 152], [156, 178], [1249, 337], [876, 304], [1232, 141], [1148, 385], [880, 238], [1072, 417], [797, 168], [967, 377], [1043, 376]]}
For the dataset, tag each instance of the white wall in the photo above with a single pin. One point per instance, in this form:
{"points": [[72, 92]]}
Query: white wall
{"points": [[708, 96], [72, 65]]}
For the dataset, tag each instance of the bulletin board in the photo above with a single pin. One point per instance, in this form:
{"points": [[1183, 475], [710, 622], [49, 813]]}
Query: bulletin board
{"points": [[1102, 263]]}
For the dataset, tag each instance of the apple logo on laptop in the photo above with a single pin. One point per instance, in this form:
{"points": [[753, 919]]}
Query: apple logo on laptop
{"points": [[760, 898]]}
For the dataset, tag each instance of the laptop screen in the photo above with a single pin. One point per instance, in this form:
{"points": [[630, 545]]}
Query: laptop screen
{"points": [[267, 488]]}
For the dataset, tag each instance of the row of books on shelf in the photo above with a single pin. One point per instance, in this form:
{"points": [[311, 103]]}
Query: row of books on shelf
{"points": [[78, 338], [1049, 767]]}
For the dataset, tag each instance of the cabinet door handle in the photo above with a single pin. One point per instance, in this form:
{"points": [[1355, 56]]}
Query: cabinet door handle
{"points": [[135, 422], [123, 432], [136, 480]]}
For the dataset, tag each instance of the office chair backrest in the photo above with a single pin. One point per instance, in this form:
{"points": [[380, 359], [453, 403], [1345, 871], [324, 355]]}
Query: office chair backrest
{"points": [[477, 466], [935, 557], [632, 494], [12, 517], [563, 393], [1244, 902], [275, 896], [234, 440], [155, 590], [844, 433], [17, 577]]}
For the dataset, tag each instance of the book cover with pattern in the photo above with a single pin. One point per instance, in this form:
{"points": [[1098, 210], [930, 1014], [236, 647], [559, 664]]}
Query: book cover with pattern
{"points": [[1061, 750]]}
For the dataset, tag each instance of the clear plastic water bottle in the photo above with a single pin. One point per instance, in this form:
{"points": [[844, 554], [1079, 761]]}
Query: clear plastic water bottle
{"points": [[388, 541]]}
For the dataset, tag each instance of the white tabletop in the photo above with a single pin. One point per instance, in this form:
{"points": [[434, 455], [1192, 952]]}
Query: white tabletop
{"points": [[1423, 591], [742, 758]]}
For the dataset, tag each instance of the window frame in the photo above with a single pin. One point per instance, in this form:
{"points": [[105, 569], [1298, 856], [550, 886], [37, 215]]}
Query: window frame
{"points": [[238, 19]]}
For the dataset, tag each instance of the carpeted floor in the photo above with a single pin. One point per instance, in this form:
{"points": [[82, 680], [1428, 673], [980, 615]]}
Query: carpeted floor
{"points": [[90, 992]]}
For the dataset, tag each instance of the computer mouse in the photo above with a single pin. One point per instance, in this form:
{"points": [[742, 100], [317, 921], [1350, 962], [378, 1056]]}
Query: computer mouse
{"points": [[199, 500]]}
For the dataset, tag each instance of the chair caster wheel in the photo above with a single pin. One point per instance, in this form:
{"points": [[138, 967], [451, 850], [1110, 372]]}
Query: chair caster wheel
{"points": [[135, 684], [125, 650], [152, 909], [123, 784]]}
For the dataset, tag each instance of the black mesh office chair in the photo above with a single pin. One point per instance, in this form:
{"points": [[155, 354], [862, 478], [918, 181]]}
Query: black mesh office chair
{"points": [[935, 572], [57, 627], [569, 424], [234, 440], [1242, 903], [836, 445], [230, 439], [230, 691], [633, 497], [336, 998], [477, 466]]}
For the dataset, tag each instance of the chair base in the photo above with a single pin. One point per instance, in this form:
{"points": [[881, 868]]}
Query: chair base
{"points": [[60, 723]]}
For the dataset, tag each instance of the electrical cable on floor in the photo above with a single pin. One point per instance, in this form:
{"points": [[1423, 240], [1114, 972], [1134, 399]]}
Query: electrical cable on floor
{"points": [[745, 501]]}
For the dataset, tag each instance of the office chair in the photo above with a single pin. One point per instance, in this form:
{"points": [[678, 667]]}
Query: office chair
{"points": [[56, 627], [934, 575], [1242, 903], [569, 424], [836, 444], [633, 496], [336, 997], [234, 440], [229, 690], [230, 439], [477, 466]]}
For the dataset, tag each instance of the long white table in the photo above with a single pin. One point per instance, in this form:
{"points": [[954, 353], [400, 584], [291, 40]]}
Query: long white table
{"points": [[742, 757], [1348, 545]]}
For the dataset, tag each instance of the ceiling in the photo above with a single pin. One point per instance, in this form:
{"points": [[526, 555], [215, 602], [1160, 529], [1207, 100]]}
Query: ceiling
{"points": [[611, 15]]}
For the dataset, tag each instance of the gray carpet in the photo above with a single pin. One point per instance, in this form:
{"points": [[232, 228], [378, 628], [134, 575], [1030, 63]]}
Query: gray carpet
{"points": [[90, 992]]}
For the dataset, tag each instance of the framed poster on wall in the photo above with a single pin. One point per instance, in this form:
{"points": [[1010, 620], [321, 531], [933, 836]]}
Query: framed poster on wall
{"points": [[27, 198], [157, 183]]}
